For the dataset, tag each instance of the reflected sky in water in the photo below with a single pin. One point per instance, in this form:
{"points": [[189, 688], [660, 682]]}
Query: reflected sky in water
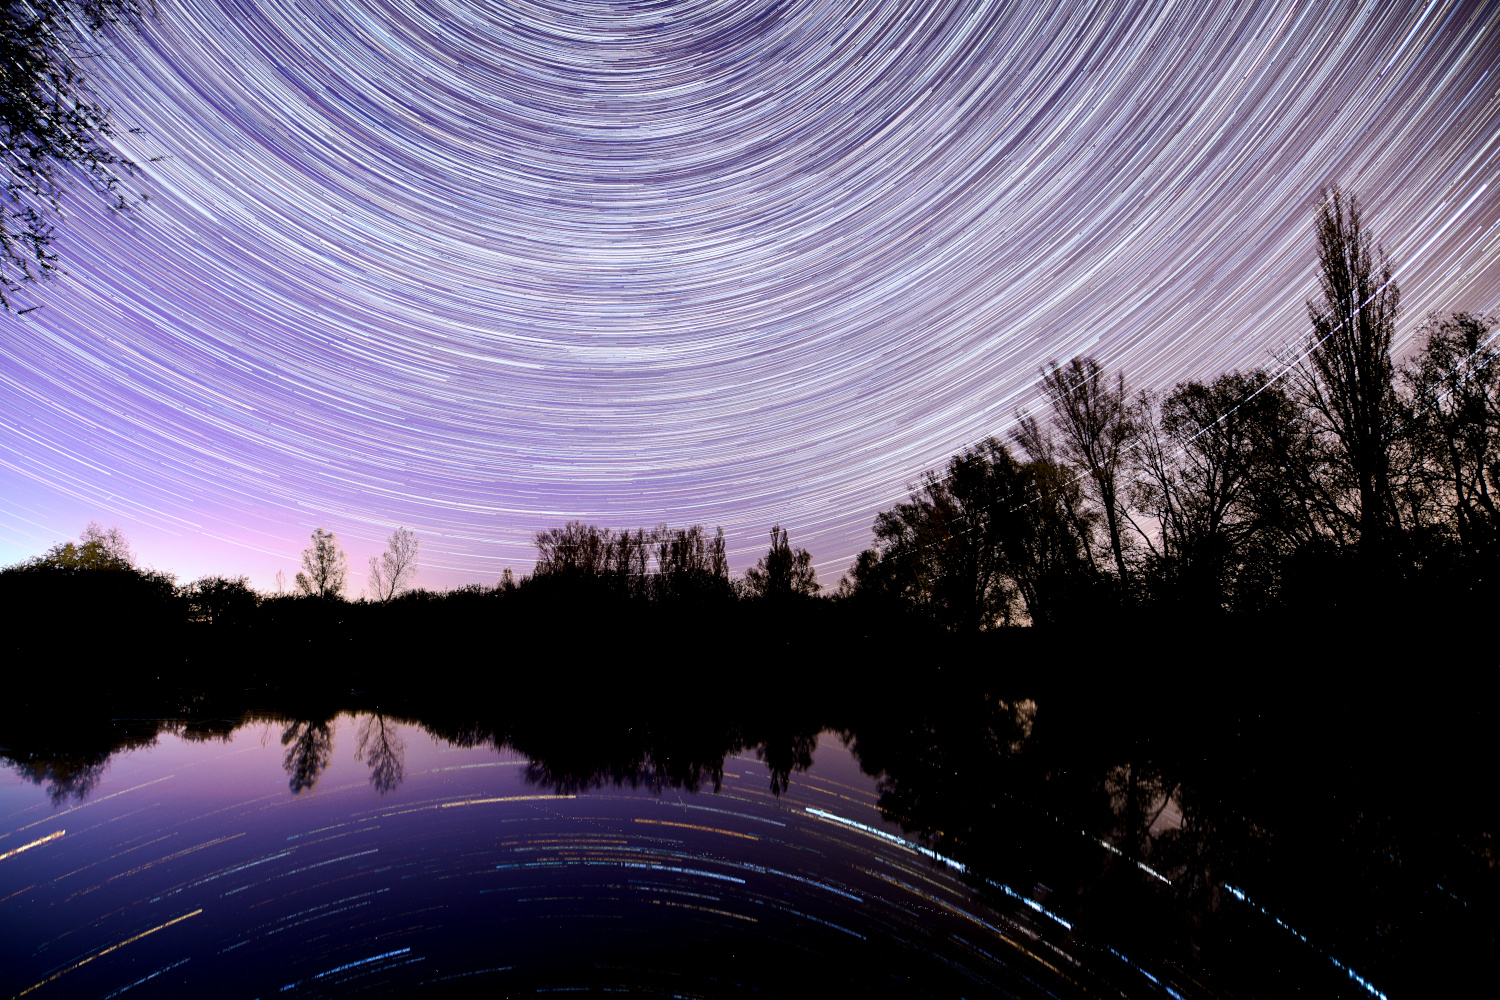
{"points": [[386, 859]]}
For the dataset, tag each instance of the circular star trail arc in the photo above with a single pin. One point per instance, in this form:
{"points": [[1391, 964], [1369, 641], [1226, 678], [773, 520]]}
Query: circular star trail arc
{"points": [[479, 269]]}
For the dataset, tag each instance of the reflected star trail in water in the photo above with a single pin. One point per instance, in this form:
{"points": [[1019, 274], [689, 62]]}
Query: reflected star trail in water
{"points": [[479, 269], [343, 888]]}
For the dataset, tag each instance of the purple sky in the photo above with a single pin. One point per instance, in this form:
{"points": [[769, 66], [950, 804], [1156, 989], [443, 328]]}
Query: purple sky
{"points": [[479, 269]]}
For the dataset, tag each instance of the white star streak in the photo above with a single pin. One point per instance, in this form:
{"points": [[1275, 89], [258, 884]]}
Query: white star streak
{"points": [[480, 269]]}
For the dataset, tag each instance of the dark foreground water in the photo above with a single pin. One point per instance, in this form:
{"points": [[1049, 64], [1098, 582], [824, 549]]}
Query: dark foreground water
{"points": [[987, 854], [191, 868]]}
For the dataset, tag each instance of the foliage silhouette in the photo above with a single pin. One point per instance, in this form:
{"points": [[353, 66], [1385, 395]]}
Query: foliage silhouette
{"points": [[690, 566], [134, 616], [783, 572], [324, 567], [96, 549], [1209, 456], [1333, 487], [946, 551], [51, 122], [222, 601], [1454, 431]]}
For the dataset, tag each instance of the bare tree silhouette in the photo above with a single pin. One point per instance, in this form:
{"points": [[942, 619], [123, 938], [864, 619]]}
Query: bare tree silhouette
{"points": [[381, 746], [396, 567]]}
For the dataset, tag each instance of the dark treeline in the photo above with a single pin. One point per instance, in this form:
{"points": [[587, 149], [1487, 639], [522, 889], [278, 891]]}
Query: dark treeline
{"points": [[1254, 604], [1340, 490], [1351, 816], [1338, 484], [598, 600]]}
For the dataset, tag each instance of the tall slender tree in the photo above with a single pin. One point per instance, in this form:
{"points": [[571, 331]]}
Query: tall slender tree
{"points": [[1347, 380]]}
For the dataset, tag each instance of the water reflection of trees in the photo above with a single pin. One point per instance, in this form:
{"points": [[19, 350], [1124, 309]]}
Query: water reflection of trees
{"points": [[786, 750], [1130, 811], [1076, 814], [64, 777], [567, 757], [380, 745], [309, 748], [71, 765], [1127, 814], [70, 759], [680, 753]]}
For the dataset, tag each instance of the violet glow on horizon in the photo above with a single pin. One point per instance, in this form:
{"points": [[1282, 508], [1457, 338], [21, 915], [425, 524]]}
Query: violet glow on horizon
{"points": [[481, 269]]}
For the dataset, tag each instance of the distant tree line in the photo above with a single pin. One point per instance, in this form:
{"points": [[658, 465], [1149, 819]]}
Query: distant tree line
{"points": [[1341, 483], [666, 564], [616, 583]]}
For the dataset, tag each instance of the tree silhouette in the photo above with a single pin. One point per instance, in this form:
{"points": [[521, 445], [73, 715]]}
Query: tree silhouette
{"points": [[96, 549], [689, 564], [1454, 382], [783, 572], [1097, 426], [50, 121], [222, 600], [393, 569], [1205, 454], [1055, 483], [1347, 378], [324, 566], [574, 549], [943, 553], [584, 559], [1047, 543]]}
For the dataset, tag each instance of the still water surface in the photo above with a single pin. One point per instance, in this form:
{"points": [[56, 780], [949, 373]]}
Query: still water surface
{"points": [[965, 846], [192, 868]]}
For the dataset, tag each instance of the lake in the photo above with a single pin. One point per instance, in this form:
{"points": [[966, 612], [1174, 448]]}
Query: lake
{"points": [[263, 855]]}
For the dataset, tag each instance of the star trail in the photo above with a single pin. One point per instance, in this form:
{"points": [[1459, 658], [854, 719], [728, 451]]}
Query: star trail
{"points": [[479, 269], [343, 886]]}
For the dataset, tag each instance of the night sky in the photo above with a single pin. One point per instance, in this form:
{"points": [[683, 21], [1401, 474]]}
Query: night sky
{"points": [[481, 268]]}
